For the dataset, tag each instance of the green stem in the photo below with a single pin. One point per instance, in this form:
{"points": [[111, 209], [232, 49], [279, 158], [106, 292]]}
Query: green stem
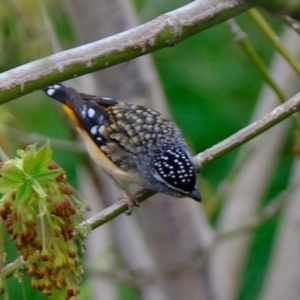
{"points": [[242, 39], [274, 39]]}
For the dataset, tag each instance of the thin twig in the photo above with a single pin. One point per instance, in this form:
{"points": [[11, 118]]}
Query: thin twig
{"points": [[278, 114], [274, 39], [242, 39], [294, 24]]}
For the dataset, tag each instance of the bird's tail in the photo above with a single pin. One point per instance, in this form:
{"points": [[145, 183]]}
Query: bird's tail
{"points": [[70, 98], [58, 92]]}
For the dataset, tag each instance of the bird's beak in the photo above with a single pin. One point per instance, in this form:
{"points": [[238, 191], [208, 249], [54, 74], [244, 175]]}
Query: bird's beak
{"points": [[195, 195]]}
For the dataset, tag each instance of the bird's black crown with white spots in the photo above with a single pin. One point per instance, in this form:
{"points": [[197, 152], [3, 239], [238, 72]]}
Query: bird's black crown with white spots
{"points": [[143, 145]]}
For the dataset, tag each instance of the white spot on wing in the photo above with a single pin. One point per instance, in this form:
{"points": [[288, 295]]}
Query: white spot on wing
{"points": [[91, 112], [94, 129]]}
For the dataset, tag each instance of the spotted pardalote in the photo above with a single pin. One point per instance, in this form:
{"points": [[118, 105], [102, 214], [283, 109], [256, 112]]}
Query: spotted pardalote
{"points": [[131, 142]]}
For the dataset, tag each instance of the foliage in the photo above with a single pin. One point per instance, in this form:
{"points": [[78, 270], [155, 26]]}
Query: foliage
{"points": [[40, 213]]}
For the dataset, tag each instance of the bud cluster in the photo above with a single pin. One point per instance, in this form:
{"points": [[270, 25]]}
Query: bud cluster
{"points": [[41, 213]]}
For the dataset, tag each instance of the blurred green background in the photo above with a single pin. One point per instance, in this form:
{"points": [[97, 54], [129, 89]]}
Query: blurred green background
{"points": [[210, 85]]}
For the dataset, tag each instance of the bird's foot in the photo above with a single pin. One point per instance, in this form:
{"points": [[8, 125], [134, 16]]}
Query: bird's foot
{"points": [[131, 202]]}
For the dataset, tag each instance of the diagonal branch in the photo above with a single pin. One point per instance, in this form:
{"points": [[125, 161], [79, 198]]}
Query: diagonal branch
{"points": [[164, 31], [278, 114]]}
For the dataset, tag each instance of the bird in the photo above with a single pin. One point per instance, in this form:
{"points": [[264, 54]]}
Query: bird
{"points": [[131, 143]]}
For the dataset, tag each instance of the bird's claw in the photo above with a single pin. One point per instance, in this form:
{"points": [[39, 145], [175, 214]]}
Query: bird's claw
{"points": [[131, 203]]}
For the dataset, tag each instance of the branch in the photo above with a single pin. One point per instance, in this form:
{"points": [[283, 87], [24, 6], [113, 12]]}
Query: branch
{"points": [[293, 24], [164, 31], [278, 114]]}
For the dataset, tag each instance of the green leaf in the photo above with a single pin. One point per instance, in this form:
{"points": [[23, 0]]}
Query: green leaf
{"points": [[43, 159], [23, 192], [36, 162], [11, 177], [49, 175], [29, 159]]}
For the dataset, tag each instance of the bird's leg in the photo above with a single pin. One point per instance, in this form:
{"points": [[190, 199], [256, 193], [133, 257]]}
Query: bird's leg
{"points": [[131, 202], [127, 197]]}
